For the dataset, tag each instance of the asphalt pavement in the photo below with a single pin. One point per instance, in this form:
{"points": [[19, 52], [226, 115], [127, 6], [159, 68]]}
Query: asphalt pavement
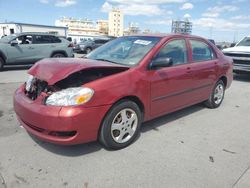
{"points": [[195, 147]]}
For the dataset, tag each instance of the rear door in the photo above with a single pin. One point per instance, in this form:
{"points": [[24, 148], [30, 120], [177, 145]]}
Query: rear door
{"points": [[45, 45], [171, 87], [204, 66]]}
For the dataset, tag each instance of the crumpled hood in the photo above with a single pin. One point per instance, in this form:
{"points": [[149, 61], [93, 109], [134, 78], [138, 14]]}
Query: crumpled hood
{"points": [[243, 49], [53, 70]]}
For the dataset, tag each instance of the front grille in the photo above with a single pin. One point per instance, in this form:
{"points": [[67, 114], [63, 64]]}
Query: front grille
{"points": [[63, 134], [241, 62], [237, 55]]}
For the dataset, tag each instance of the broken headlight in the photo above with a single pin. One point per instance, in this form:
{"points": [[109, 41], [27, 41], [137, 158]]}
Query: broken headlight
{"points": [[70, 97], [29, 83]]}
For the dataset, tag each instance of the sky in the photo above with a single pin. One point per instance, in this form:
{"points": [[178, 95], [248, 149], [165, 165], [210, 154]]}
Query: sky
{"points": [[222, 20]]}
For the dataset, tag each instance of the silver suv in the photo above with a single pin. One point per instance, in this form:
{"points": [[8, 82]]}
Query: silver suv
{"points": [[26, 48]]}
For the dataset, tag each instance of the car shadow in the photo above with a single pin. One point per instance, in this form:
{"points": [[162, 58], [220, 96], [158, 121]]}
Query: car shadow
{"points": [[16, 67], [83, 149], [163, 120], [242, 77], [70, 151]]}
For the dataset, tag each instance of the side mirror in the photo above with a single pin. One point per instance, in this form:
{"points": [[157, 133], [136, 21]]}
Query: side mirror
{"points": [[13, 43], [161, 62], [232, 45]]}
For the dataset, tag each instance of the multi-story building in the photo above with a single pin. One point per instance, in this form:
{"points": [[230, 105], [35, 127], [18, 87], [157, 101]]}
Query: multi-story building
{"points": [[183, 27], [115, 23], [103, 26], [79, 29], [132, 29]]}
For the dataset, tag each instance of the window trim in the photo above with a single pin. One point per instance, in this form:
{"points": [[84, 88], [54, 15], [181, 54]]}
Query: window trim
{"points": [[205, 42], [164, 44]]}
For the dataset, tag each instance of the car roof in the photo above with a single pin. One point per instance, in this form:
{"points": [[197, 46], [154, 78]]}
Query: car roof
{"points": [[170, 35], [35, 33]]}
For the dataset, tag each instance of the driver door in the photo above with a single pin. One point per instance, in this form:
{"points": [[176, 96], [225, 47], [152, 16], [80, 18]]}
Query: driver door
{"points": [[21, 52], [171, 86]]}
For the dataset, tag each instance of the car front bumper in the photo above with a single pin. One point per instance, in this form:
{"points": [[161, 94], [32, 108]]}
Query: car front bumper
{"points": [[59, 125]]}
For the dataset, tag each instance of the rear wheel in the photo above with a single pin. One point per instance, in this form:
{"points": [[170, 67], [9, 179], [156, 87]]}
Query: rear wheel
{"points": [[121, 125], [58, 55], [216, 96], [1, 64]]}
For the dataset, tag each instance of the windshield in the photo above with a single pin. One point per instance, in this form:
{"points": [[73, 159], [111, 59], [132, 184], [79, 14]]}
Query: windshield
{"points": [[8, 38], [244, 42], [127, 51]]}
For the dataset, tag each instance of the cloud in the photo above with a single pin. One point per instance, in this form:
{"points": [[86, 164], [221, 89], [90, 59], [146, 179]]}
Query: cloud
{"points": [[219, 24], [136, 9], [139, 7], [64, 3], [241, 17], [187, 16], [217, 10], [146, 1], [187, 6]]}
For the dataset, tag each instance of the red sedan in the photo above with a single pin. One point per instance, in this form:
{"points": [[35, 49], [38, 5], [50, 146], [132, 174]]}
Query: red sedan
{"points": [[107, 95]]}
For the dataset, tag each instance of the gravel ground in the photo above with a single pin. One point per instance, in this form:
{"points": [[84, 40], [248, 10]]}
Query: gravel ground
{"points": [[194, 147]]}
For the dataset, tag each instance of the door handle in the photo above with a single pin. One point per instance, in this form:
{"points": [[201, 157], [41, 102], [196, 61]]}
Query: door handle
{"points": [[30, 47], [189, 70]]}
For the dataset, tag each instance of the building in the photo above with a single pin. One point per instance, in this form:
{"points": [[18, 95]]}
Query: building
{"points": [[14, 27], [183, 27], [132, 29], [82, 29], [103, 26], [115, 23]]}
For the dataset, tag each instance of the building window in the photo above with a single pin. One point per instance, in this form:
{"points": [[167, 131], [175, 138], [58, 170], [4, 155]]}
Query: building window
{"points": [[12, 31]]}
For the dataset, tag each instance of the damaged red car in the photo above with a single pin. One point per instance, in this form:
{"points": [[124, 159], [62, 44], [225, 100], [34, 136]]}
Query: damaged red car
{"points": [[108, 94]]}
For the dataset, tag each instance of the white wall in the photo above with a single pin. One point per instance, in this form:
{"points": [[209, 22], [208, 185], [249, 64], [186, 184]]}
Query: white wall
{"points": [[5, 29]]}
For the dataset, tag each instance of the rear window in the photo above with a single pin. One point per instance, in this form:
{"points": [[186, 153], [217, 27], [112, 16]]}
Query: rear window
{"points": [[44, 39], [201, 51]]}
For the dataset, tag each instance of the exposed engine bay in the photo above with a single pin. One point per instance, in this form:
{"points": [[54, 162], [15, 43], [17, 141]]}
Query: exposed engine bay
{"points": [[77, 79]]}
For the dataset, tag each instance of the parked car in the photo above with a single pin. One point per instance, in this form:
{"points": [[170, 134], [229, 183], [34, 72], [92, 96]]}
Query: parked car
{"points": [[131, 79], [241, 55], [89, 45], [26, 48]]}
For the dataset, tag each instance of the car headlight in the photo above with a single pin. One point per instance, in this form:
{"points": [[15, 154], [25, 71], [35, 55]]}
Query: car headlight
{"points": [[29, 83], [70, 97]]}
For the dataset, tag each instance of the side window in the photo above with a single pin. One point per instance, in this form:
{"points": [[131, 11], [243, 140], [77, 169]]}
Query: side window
{"points": [[24, 39], [201, 51], [55, 39], [45, 39], [176, 50]]}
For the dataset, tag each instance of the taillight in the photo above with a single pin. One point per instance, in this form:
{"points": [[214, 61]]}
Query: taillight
{"points": [[70, 45]]}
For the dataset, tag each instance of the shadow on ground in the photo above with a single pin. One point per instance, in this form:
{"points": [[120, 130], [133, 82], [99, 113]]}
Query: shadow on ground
{"points": [[83, 149], [16, 67], [155, 123], [242, 77]]}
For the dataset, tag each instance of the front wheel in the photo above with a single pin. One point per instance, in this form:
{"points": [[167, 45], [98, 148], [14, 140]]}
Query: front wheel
{"points": [[121, 125], [216, 96], [58, 55], [1, 64]]}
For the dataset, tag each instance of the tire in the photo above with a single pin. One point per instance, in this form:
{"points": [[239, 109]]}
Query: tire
{"points": [[88, 50], [121, 125], [217, 95], [58, 55], [1, 64]]}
